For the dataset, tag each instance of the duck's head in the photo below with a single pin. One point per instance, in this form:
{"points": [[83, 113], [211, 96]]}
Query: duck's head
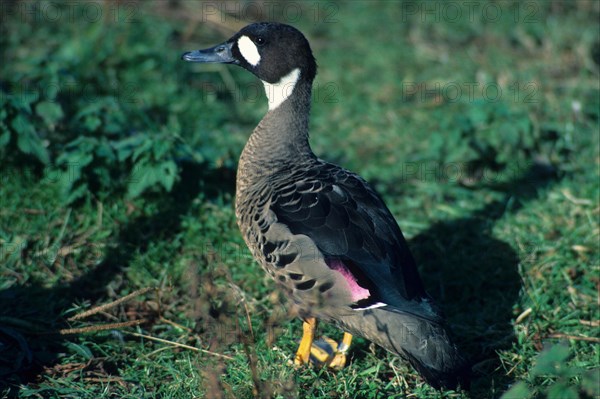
{"points": [[276, 53]]}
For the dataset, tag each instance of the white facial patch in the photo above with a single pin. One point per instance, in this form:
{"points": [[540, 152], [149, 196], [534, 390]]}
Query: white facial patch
{"points": [[280, 91], [248, 50]]}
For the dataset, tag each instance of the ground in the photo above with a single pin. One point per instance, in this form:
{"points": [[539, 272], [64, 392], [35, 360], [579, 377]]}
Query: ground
{"points": [[476, 121]]}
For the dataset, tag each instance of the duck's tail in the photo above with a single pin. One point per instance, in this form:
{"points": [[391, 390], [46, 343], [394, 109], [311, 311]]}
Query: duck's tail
{"points": [[424, 342]]}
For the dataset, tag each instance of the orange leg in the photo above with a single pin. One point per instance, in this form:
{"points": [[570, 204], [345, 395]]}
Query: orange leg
{"points": [[303, 353], [338, 360]]}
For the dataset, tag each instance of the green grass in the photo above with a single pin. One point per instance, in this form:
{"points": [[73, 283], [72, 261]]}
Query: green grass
{"points": [[118, 164]]}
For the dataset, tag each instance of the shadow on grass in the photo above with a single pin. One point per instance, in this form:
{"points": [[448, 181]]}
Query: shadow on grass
{"points": [[25, 354], [474, 276]]}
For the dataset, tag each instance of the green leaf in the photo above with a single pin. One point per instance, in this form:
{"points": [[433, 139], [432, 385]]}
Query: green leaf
{"points": [[74, 194], [145, 176], [76, 160], [23, 100], [4, 138], [50, 112], [143, 147], [125, 147], [104, 150], [28, 141], [168, 175], [81, 350], [562, 391], [551, 360], [142, 177], [92, 122], [518, 391], [478, 114], [590, 382]]}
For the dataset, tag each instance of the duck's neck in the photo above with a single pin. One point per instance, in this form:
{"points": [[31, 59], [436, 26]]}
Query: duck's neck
{"points": [[281, 137]]}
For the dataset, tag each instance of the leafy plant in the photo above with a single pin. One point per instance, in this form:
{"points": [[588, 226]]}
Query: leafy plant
{"points": [[553, 377], [100, 117], [20, 124]]}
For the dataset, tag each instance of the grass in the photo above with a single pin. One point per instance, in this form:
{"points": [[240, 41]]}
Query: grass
{"points": [[118, 165]]}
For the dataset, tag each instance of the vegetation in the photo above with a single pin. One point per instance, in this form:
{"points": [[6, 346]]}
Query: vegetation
{"points": [[123, 274]]}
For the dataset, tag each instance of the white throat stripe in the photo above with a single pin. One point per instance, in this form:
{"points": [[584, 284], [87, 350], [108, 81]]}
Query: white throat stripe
{"points": [[280, 91], [248, 50]]}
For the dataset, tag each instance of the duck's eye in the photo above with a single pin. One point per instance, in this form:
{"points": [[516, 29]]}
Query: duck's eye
{"points": [[260, 40]]}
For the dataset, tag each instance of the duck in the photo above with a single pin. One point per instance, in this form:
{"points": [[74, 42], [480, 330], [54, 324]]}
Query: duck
{"points": [[321, 231]]}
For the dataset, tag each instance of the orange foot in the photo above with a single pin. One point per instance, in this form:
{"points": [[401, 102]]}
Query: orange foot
{"points": [[327, 352]]}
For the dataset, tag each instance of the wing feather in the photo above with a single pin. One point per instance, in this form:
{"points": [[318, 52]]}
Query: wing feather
{"points": [[347, 220]]}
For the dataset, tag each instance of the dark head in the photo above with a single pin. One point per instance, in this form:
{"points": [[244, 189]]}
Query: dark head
{"points": [[271, 51]]}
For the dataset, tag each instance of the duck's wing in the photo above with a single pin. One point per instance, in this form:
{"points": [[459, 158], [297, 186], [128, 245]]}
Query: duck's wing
{"points": [[355, 232]]}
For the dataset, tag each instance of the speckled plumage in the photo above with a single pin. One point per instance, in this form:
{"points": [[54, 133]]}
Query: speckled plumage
{"points": [[322, 232]]}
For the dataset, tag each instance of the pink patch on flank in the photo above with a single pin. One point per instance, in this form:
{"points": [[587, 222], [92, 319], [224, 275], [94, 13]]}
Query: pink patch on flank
{"points": [[356, 291]]}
